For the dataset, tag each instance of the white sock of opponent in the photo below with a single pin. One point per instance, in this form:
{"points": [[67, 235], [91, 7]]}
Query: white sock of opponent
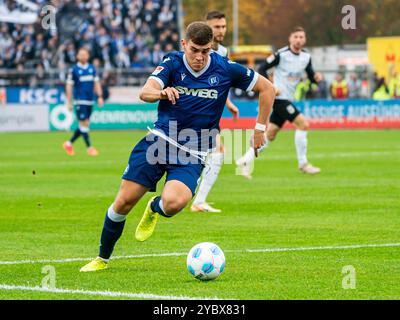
{"points": [[209, 176], [300, 139], [249, 156]]}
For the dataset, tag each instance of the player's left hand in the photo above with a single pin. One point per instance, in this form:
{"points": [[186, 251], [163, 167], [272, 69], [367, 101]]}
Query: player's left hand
{"points": [[258, 140], [170, 94], [100, 102], [234, 111]]}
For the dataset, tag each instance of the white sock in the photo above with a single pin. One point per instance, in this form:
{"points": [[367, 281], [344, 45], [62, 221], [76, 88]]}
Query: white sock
{"points": [[105, 260], [160, 203], [209, 176], [116, 217], [84, 129], [249, 156], [300, 139]]}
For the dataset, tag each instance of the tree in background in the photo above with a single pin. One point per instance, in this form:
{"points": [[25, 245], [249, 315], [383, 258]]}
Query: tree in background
{"points": [[269, 22]]}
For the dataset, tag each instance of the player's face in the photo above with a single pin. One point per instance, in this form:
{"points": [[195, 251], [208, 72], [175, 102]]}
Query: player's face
{"points": [[196, 55], [83, 56], [297, 40], [219, 29]]}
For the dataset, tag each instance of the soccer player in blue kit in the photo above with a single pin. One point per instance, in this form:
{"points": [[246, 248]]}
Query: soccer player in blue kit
{"points": [[82, 83], [192, 87]]}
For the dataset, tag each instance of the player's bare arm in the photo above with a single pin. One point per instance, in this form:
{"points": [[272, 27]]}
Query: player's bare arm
{"points": [[232, 108], [312, 75], [266, 98], [68, 95], [99, 93], [152, 92]]}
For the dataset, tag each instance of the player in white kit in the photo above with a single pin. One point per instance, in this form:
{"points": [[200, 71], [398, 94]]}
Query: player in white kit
{"points": [[290, 64]]}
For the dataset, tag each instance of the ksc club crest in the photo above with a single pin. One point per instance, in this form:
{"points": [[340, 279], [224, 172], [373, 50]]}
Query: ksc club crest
{"points": [[213, 80]]}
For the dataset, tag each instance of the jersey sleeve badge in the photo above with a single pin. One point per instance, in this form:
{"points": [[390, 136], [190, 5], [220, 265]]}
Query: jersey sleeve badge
{"points": [[157, 71]]}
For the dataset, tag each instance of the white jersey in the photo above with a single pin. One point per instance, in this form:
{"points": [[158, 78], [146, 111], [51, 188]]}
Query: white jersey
{"points": [[222, 51], [289, 69]]}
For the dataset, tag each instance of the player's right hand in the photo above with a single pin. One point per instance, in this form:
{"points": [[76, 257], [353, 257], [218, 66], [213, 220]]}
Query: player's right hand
{"points": [[69, 106], [259, 140], [170, 94]]}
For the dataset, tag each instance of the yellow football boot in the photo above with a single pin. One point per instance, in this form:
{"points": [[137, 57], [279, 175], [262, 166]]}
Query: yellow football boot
{"points": [[94, 265], [148, 223]]}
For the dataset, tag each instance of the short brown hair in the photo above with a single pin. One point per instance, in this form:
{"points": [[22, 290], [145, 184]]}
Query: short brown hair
{"points": [[297, 29], [199, 33], [84, 49], [215, 15]]}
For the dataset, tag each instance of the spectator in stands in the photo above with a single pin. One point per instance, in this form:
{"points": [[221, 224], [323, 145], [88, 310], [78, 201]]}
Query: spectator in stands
{"points": [[21, 79], [165, 15], [157, 54], [382, 91], [322, 92], [38, 76], [305, 89], [6, 40], [19, 56], [7, 58], [354, 86], [339, 88], [70, 54], [394, 86]]}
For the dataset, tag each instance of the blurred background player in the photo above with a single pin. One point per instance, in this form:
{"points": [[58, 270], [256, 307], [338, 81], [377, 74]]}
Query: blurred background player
{"points": [[217, 21], [82, 84], [290, 63]]}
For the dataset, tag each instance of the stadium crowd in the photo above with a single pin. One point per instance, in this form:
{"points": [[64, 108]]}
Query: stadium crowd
{"points": [[353, 86], [119, 34]]}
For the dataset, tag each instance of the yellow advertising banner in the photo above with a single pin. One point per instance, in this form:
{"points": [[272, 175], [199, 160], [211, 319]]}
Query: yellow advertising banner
{"points": [[384, 55]]}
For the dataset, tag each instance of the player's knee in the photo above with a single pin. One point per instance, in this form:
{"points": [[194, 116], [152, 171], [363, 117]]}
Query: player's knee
{"points": [[84, 123], [173, 205], [304, 126], [271, 135], [123, 205]]}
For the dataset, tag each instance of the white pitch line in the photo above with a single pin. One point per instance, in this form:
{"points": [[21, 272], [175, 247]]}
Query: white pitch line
{"points": [[134, 256], [179, 254], [356, 246], [337, 155], [102, 293]]}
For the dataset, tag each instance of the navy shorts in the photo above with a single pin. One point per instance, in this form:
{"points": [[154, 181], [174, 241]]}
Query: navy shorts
{"points": [[141, 171], [83, 112]]}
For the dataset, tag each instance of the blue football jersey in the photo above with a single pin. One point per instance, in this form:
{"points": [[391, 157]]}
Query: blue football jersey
{"points": [[202, 95], [83, 78]]}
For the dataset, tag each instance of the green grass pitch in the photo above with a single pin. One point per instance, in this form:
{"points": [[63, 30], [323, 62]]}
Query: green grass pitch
{"points": [[52, 208]]}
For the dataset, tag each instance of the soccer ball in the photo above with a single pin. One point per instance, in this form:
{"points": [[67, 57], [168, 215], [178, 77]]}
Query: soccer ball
{"points": [[206, 261]]}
